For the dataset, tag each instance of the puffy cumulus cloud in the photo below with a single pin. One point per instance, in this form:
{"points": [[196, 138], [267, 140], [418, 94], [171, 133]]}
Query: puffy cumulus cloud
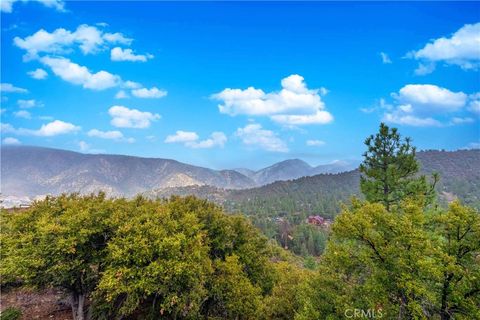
{"points": [[7, 5], [294, 104], [89, 39], [152, 93], [11, 141], [385, 58], [315, 143], [22, 114], [10, 88], [27, 104], [110, 135], [254, 135], [80, 75], [191, 139], [119, 54], [124, 117], [427, 98], [422, 104], [182, 136], [54, 128], [462, 48], [38, 74]]}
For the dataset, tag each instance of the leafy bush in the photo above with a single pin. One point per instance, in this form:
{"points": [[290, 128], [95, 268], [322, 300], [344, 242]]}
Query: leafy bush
{"points": [[11, 313]]}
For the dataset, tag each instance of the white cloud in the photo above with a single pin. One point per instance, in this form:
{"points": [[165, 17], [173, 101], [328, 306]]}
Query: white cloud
{"points": [[88, 38], [22, 114], [409, 120], [182, 136], [11, 141], [315, 143], [474, 104], [430, 98], [110, 135], [385, 58], [123, 117], [191, 139], [7, 128], [216, 139], [8, 87], [119, 54], [462, 48], [419, 104], [459, 120], [320, 117], [424, 69], [131, 84], [38, 74], [83, 146], [7, 5], [149, 93], [121, 95], [27, 104], [295, 104], [117, 37], [80, 75], [254, 135], [54, 128]]}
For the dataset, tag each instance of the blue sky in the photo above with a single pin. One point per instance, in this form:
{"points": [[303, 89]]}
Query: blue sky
{"points": [[229, 85]]}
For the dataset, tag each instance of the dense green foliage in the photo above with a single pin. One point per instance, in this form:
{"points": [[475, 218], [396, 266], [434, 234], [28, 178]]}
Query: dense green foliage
{"points": [[398, 258], [405, 264], [390, 255], [181, 258]]}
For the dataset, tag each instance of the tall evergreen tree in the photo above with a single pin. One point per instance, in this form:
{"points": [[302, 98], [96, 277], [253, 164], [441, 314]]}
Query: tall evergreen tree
{"points": [[390, 170]]}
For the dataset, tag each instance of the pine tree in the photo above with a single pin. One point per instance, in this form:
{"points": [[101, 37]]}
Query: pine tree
{"points": [[390, 170]]}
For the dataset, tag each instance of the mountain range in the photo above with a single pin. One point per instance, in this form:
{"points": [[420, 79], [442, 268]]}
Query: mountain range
{"points": [[27, 172], [323, 194], [31, 171]]}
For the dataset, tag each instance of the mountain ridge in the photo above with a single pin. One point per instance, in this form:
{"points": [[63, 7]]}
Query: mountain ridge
{"points": [[32, 171]]}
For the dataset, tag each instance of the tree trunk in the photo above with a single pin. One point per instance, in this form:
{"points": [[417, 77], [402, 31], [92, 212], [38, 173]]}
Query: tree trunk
{"points": [[77, 302], [81, 304], [444, 314]]}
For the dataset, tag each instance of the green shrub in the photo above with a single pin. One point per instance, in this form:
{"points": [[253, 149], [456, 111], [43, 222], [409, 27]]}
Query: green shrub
{"points": [[11, 313]]}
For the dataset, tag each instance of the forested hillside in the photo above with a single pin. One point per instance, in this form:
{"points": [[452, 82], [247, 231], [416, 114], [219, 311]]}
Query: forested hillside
{"points": [[281, 208], [459, 173]]}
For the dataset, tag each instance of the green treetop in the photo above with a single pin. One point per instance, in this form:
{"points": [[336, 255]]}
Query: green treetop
{"points": [[390, 170]]}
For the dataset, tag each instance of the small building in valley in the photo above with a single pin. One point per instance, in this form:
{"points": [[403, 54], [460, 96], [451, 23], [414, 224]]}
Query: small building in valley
{"points": [[318, 221]]}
